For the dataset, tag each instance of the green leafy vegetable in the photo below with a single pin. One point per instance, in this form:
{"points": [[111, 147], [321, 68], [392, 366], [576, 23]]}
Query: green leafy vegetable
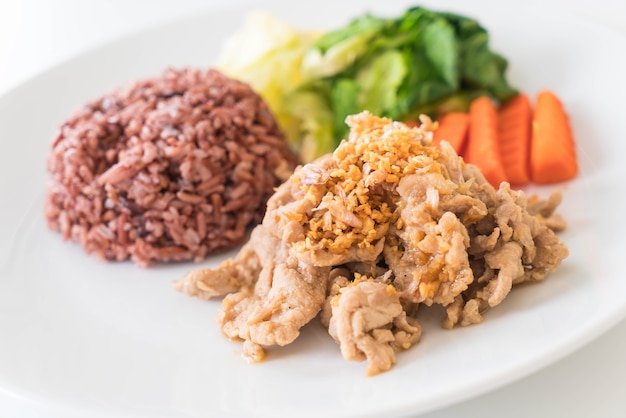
{"points": [[344, 101], [337, 50], [420, 62], [312, 109], [379, 79]]}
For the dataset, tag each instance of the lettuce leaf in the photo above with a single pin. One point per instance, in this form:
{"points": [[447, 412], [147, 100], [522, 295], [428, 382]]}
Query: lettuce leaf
{"points": [[336, 51], [318, 133]]}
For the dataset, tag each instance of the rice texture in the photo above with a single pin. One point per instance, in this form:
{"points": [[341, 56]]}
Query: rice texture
{"points": [[166, 169]]}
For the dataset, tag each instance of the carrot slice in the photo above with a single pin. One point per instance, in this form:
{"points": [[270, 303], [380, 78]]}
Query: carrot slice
{"points": [[452, 128], [482, 144], [514, 121], [552, 147]]}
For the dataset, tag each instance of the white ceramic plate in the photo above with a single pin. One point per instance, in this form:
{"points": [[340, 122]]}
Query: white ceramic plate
{"points": [[85, 338]]}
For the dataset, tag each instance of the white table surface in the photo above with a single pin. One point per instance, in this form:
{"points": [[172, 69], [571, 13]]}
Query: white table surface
{"points": [[36, 34]]}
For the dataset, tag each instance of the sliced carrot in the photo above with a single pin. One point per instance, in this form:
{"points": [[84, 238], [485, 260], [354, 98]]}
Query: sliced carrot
{"points": [[552, 147], [452, 128], [514, 121], [482, 144]]}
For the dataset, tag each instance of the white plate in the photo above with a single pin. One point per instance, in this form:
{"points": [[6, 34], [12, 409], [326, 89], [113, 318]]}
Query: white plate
{"points": [[84, 338]]}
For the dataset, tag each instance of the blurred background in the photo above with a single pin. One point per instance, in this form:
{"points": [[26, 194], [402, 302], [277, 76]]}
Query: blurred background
{"points": [[36, 34]]}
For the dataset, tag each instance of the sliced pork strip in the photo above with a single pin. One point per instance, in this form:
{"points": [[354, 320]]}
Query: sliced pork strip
{"points": [[286, 296], [369, 323], [241, 271], [429, 259]]}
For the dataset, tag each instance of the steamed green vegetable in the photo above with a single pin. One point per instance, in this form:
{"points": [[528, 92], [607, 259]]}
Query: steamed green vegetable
{"points": [[421, 62]]}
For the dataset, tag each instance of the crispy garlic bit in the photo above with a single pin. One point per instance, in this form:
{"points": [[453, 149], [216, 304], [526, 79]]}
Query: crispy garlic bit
{"points": [[355, 208]]}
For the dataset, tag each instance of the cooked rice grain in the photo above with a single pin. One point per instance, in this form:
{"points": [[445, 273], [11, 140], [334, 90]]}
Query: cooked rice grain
{"points": [[166, 169]]}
